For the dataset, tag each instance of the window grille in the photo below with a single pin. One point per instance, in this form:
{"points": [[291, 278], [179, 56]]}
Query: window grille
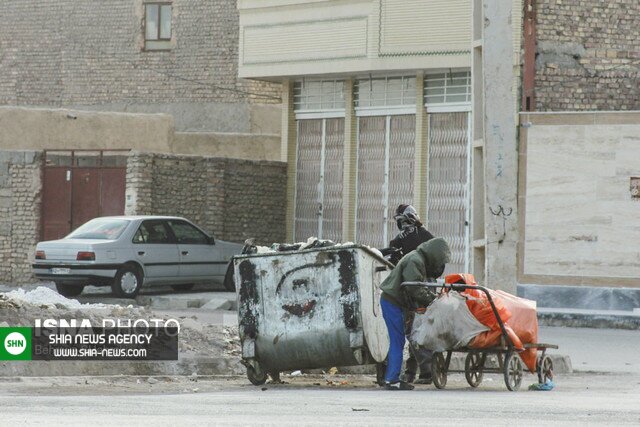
{"points": [[447, 88], [385, 91], [318, 95]]}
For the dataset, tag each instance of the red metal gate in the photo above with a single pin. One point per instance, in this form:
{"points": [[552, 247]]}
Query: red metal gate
{"points": [[79, 186]]}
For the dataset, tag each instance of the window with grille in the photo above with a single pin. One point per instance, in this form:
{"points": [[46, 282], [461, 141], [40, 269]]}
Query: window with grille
{"points": [[157, 26], [318, 95], [447, 88], [385, 91]]}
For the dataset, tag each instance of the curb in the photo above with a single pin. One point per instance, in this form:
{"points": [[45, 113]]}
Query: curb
{"points": [[189, 365], [589, 320], [183, 366]]}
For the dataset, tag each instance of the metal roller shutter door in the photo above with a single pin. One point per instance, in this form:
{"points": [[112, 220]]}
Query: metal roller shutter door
{"points": [[447, 201], [386, 149], [308, 178], [319, 179]]}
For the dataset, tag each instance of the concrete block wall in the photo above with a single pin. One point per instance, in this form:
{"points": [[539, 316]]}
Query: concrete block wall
{"points": [[254, 201], [232, 145], [232, 199], [90, 54], [20, 199], [588, 56]]}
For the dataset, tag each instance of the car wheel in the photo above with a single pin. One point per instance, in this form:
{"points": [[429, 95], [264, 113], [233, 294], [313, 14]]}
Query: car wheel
{"points": [[229, 281], [127, 282], [183, 288], [69, 290]]}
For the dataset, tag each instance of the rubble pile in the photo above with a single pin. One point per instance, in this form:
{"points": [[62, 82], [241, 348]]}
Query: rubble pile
{"points": [[196, 339]]}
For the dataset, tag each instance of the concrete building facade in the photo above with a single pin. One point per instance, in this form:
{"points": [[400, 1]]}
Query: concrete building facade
{"points": [[377, 111], [542, 197]]}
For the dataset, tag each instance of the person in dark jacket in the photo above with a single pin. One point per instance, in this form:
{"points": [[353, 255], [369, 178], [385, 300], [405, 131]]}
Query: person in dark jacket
{"points": [[412, 233], [426, 263]]}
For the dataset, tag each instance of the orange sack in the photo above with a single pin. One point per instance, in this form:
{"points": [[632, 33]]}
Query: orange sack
{"points": [[524, 322], [518, 315]]}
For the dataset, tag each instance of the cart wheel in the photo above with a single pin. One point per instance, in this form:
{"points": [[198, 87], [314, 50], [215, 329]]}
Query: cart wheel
{"points": [[513, 371], [256, 376], [439, 370], [545, 370], [473, 368], [381, 370]]}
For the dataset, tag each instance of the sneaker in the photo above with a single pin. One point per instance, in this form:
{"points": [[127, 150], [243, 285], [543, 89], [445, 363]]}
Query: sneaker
{"points": [[424, 380], [398, 385]]}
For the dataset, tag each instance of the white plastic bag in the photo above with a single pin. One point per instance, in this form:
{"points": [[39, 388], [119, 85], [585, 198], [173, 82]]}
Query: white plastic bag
{"points": [[446, 325]]}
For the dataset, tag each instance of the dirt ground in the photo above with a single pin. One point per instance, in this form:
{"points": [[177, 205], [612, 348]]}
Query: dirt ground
{"points": [[196, 338]]}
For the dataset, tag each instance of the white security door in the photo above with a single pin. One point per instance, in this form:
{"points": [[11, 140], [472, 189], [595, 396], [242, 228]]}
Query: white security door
{"points": [[319, 179], [448, 185]]}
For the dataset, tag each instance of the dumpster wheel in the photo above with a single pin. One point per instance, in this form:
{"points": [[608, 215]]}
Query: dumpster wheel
{"points": [[256, 376]]}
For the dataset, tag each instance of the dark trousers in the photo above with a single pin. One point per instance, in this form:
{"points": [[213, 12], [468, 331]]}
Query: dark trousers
{"points": [[418, 356]]}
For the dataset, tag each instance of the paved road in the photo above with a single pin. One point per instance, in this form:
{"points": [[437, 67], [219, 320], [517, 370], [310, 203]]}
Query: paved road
{"points": [[597, 350], [579, 399], [605, 390]]}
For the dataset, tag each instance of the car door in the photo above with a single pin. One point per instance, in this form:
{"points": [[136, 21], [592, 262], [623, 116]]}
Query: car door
{"points": [[200, 258], [156, 250]]}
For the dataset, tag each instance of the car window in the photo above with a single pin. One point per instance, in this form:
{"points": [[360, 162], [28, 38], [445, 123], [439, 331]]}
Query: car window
{"points": [[188, 234], [100, 228], [152, 232]]}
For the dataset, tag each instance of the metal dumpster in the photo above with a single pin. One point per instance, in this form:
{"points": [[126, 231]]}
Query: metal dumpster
{"points": [[314, 308]]}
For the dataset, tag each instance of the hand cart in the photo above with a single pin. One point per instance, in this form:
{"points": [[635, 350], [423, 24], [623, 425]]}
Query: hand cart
{"points": [[509, 362]]}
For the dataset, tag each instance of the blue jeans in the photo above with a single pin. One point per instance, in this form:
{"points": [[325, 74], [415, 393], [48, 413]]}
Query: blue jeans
{"points": [[394, 319]]}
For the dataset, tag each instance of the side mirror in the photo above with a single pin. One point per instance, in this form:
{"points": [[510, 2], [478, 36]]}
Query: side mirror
{"points": [[211, 240]]}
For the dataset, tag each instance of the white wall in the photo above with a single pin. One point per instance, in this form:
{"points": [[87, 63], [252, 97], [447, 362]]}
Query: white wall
{"points": [[580, 220]]}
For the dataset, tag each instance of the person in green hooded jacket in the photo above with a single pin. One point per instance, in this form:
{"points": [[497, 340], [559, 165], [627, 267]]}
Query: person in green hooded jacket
{"points": [[425, 264]]}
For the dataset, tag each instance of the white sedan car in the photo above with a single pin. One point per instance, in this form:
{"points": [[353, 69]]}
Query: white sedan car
{"points": [[125, 252]]}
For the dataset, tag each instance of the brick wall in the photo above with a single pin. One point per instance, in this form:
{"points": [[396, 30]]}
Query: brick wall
{"points": [[588, 56], [232, 199], [20, 198], [85, 52]]}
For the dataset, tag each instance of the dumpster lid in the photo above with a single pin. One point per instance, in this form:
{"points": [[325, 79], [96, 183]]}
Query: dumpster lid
{"points": [[336, 247]]}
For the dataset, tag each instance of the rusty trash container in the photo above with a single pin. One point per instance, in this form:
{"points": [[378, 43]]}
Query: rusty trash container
{"points": [[309, 309]]}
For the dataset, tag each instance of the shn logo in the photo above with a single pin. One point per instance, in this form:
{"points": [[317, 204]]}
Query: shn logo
{"points": [[15, 343]]}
